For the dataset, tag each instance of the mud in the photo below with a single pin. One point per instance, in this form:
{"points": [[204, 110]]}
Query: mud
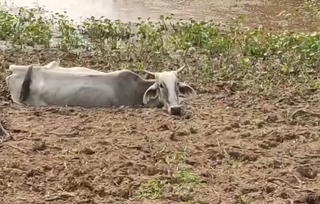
{"points": [[242, 149]]}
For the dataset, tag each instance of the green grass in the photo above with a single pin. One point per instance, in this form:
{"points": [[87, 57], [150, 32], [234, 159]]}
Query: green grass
{"points": [[153, 190], [178, 157], [178, 185], [187, 177], [256, 58]]}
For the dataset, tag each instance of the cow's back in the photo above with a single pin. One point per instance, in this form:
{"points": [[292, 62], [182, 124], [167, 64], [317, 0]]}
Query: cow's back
{"points": [[85, 89]]}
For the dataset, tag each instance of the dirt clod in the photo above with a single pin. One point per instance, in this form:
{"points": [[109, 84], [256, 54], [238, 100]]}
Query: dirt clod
{"points": [[39, 146], [307, 172], [310, 198], [193, 130], [88, 151]]}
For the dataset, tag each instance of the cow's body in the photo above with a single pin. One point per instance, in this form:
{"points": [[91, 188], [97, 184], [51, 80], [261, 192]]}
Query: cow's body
{"points": [[52, 84], [85, 88], [54, 65]]}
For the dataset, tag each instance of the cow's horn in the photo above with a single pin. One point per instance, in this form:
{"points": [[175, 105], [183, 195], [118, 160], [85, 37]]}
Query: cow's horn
{"points": [[180, 69], [148, 72]]}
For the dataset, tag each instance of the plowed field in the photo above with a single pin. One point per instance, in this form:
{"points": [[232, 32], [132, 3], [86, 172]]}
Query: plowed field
{"points": [[229, 147]]}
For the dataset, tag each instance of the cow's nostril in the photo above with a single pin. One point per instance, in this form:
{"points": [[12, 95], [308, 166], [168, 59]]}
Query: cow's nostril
{"points": [[175, 110]]}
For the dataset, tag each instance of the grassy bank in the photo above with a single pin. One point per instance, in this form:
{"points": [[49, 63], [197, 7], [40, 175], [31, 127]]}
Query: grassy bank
{"points": [[255, 58]]}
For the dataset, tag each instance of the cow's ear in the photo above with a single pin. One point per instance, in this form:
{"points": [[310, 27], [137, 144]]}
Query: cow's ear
{"points": [[151, 93], [186, 91]]}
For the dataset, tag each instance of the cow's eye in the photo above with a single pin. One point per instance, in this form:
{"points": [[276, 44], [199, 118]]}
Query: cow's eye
{"points": [[161, 86]]}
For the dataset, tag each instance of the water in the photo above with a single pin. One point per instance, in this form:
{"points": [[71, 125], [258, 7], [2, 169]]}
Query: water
{"points": [[78, 10], [257, 12], [130, 10]]}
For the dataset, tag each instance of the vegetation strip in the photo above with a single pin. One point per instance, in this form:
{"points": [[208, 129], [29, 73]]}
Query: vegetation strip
{"points": [[245, 56]]}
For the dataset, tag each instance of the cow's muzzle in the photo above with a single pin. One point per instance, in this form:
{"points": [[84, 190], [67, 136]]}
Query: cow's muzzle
{"points": [[175, 110]]}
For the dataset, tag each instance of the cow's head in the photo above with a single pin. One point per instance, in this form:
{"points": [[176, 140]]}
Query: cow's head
{"points": [[167, 88]]}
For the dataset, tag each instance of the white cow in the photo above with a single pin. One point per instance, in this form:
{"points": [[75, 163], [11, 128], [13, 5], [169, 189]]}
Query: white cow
{"points": [[78, 86], [54, 65]]}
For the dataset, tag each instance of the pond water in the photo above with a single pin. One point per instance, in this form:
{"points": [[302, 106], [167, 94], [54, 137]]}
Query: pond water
{"points": [[130, 10], [81, 9], [269, 13]]}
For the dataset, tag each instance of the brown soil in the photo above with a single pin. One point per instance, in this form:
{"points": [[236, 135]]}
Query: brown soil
{"points": [[245, 149]]}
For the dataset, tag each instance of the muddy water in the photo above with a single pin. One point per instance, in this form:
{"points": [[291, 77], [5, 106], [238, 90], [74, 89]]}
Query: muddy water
{"points": [[81, 9], [269, 13], [130, 10]]}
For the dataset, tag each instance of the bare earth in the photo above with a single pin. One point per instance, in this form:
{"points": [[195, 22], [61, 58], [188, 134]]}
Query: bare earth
{"points": [[241, 149]]}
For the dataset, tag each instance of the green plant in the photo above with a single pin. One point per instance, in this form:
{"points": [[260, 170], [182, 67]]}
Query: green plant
{"points": [[187, 176], [153, 189], [178, 157], [71, 38], [26, 28], [245, 56]]}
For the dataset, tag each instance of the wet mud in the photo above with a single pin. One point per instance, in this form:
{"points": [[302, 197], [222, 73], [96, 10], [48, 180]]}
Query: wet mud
{"points": [[231, 147], [228, 148]]}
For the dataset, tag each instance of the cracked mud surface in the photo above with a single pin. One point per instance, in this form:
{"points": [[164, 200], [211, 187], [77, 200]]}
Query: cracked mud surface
{"points": [[231, 147]]}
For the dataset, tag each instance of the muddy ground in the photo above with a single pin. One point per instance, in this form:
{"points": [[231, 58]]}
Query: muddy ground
{"points": [[229, 147]]}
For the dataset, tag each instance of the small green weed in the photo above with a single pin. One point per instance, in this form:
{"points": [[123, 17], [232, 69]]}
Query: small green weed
{"points": [[153, 189], [187, 177], [184, 175], [178, 157]]}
